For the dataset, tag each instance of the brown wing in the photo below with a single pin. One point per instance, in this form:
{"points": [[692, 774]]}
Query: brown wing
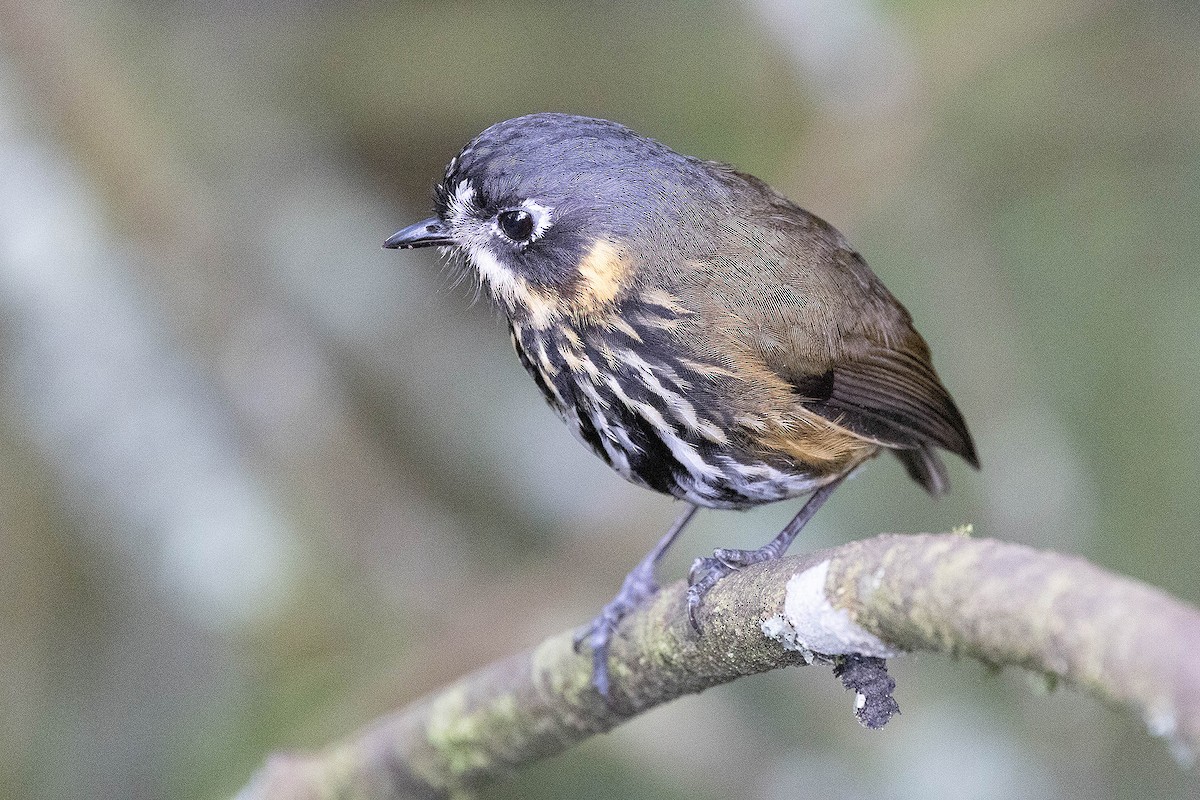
{"points": [[895, 398], [880, 384], [820, 319], [892, 396]]}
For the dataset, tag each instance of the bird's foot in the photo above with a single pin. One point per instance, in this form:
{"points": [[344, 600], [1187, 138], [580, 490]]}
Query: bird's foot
{"points": [[706, 572], [638, 587]]}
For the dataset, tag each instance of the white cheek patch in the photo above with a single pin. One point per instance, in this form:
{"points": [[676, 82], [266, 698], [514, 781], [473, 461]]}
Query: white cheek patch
{"points": [[513, 290], [500, 278]]}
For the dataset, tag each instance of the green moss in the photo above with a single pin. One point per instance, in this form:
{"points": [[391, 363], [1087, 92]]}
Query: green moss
{"points": [[569, 675], [458, 736], [466, 742]]}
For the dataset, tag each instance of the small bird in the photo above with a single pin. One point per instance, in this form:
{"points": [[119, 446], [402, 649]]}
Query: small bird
{"points": [[702, 334]]}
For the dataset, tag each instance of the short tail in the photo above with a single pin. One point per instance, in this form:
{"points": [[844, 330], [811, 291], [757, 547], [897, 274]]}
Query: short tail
{"points": [[926, 468]]}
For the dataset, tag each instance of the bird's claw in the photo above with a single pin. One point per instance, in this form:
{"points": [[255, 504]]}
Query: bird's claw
{"points": [[703, 575], [706, 572], [597, 634], [639, 586]]}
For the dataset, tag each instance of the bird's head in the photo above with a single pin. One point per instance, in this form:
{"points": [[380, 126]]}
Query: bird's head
{"points": [[558, 214]]}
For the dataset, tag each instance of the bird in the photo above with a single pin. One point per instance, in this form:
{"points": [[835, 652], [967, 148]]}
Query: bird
{"points": [[701, 333]]}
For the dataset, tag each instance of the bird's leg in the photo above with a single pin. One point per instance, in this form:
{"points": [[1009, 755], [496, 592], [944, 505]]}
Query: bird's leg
{"points": [[639, 585], [705, 572]]}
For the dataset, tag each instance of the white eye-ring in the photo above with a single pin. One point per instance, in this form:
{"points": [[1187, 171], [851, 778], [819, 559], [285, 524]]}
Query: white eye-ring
{"points": [[524, 224]]}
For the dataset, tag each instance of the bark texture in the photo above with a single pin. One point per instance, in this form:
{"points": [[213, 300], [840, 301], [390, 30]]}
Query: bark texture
{"points": [[1000, 603]]}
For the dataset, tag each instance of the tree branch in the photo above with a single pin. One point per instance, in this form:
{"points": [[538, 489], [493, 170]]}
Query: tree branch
{"points": [[1003, 604]]}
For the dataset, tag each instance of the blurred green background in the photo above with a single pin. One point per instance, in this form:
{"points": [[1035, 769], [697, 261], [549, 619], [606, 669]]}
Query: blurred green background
{"points": [[261, 481]]}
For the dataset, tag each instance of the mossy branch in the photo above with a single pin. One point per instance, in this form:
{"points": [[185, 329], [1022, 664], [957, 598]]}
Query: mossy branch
{"points": [[1003, 604]]}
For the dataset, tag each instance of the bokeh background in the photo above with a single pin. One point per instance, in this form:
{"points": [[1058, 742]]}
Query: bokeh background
{"points": [[261, 481]]}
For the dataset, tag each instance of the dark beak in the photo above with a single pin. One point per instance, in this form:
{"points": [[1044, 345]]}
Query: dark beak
{"points": [[427, 233]]}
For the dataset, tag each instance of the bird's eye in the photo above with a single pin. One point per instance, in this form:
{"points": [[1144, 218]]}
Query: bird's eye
{"points": [[516, 224]]}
